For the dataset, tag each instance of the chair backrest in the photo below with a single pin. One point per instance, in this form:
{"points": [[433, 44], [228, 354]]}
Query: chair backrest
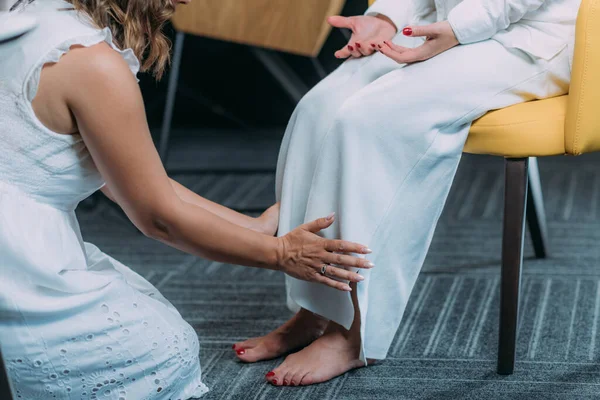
{"points": [[582, 125], [293, 26]]}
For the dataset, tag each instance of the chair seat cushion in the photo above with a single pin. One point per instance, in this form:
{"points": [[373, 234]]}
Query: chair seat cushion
{"points": [[531, 129]]}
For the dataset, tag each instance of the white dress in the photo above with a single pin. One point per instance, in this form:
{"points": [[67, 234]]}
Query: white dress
{"points": [[378, 143], [74, 322]]}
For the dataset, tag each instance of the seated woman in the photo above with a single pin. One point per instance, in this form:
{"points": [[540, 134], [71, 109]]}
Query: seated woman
{"points": [[379, 141], [74, 322]]}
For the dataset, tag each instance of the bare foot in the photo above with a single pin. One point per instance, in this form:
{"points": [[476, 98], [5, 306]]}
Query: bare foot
{"points": [[333, 354], [268, 222], [296, 333]]}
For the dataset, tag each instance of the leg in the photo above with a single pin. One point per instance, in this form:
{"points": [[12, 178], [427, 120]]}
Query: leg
{"points": [[536, 215], [308, 127], [386, 168], [515, 199]]}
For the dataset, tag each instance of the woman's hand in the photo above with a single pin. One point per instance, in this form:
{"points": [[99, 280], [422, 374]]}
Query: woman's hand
{"points": [[367, 32], [439, 38], [302, 255]]}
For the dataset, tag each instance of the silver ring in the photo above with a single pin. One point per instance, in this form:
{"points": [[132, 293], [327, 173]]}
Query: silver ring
{"points": [[324, 270]]}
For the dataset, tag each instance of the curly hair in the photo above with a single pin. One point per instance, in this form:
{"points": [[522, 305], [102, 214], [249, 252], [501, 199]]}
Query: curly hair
{"points": [[135, 24]]}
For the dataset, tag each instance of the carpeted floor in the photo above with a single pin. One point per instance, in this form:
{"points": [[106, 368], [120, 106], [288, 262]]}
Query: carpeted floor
{"points": [[446, 345]]}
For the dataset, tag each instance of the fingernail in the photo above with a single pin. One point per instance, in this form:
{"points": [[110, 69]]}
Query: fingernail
{"points": [[379, 45], [285, 382], [358, 45], [407, 31], [360, 278], [370, 264], [373, 45], [348, 289], [330, 216], [270, 374], [367, 250], [241, 352], [350, 48]]}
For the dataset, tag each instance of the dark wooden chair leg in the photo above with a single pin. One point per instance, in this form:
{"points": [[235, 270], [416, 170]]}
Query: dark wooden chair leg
{"points": [[515, 200], [536, 215], [5, 391]]}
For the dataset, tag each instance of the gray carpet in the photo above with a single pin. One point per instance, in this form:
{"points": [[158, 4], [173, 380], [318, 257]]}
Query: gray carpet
{"points": [[446, 345]]}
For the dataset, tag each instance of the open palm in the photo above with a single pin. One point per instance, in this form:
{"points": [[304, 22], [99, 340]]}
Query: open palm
{"points": [[367, 32]]}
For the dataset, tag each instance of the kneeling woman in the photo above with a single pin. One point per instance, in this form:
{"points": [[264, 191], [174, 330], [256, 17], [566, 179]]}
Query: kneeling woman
{"points": [[379, 141], [74, 322]]}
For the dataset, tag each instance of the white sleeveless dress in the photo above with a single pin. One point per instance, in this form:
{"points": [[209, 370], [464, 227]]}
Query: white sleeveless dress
{"points": [[74, 322]]}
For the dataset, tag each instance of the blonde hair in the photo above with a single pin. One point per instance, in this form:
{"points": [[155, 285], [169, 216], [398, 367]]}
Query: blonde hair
{"points": [[135, 24]]}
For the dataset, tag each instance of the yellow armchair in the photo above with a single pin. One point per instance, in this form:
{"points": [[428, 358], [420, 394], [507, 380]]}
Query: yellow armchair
{"points": [[569, 125]]}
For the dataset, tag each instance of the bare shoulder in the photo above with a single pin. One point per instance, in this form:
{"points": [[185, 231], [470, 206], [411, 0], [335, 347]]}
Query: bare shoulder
{"points": [[96, 63], [96, 74]]}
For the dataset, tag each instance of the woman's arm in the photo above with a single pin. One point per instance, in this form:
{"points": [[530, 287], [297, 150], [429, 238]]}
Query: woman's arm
{"points": [[191, 197], [104, 98], [476, 20]]}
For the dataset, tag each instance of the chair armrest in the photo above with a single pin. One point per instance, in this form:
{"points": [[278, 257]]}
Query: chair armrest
{"points": [[582, 124]]}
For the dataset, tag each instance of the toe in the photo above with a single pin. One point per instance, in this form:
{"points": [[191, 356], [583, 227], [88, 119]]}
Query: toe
{"points": [[295, 377], [250, 355], [307, 379], [269, 376], [287, 378], [280, 373], [246, 344]]}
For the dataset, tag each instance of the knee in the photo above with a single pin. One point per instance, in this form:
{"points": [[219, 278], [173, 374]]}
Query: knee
{"points": [[360, 119], [312, 102]]}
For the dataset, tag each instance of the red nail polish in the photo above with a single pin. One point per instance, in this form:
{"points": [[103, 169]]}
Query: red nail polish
{"points": [[233, 347], [358, 45], [350, 48], [373, 45], [379, 45], [407, 31], [285, 382], [241, 352], [270, 374], [274, 381]]}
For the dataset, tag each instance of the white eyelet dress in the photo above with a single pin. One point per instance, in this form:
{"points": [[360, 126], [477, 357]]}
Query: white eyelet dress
{"points": [[74, 322]]}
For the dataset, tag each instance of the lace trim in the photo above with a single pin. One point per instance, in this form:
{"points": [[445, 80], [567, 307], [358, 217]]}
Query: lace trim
{"points": [[32, 80]]}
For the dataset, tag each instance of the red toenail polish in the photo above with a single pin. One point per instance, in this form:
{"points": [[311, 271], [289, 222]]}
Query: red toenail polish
{"points": [[358, 45], [241, 352], [275, 381], [233, 347], [351, 48], [407, 31], [294, 383], [270, 374]]}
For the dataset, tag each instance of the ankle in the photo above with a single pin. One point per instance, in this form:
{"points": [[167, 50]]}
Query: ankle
{"points": [[313, 318]]}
